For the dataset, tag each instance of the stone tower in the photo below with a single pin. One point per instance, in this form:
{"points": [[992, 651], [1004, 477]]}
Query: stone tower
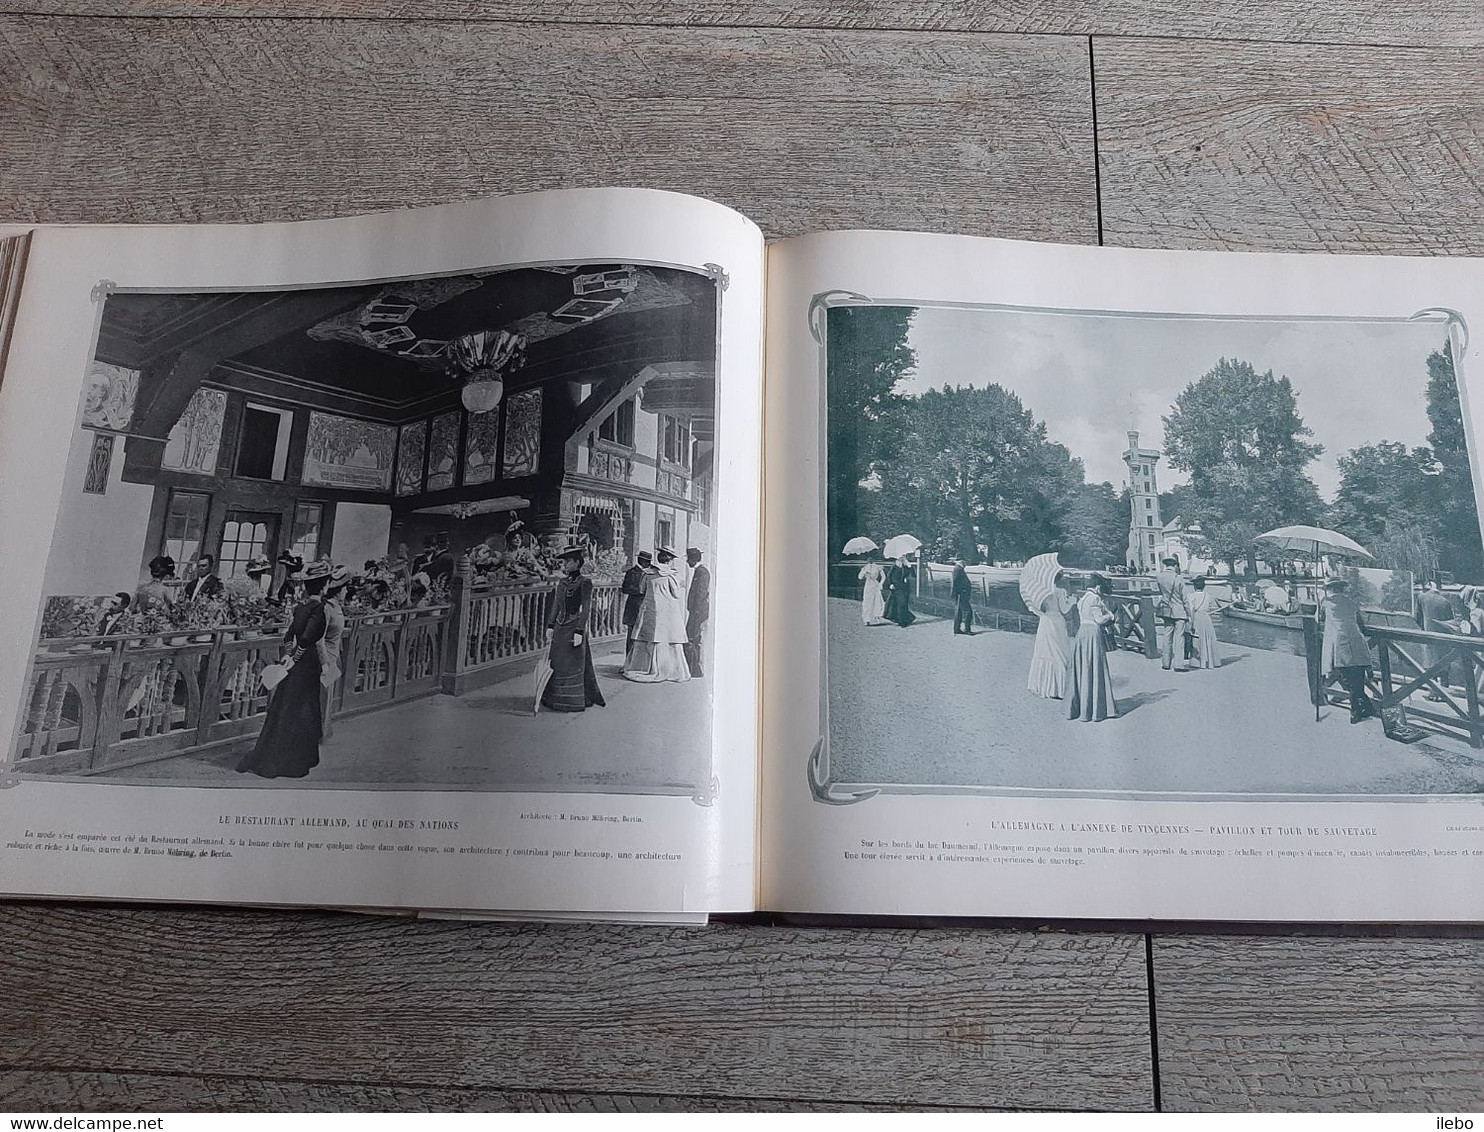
{"points": [[1146, 524]]}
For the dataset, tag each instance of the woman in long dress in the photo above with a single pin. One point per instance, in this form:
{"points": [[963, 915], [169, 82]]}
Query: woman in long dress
{"points": [[873, 600], [899, 593], [658, 651], [1053, 649], [1089, 683], [288, 745], [1201, 605], [574, 683]]}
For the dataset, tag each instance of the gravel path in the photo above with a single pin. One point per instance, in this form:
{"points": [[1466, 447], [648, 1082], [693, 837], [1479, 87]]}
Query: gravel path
{"points": [[920, 705]]}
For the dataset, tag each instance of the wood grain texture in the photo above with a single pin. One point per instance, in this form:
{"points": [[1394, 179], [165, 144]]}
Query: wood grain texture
{"points": [[1291, 148], [61, 1092], [1432, 22], [172, 120], [995, 1019], [1320, 1024]]}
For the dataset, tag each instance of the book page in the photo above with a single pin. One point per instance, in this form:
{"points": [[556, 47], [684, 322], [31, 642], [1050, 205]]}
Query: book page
{"points": [[1106, 583], [403, 561]]}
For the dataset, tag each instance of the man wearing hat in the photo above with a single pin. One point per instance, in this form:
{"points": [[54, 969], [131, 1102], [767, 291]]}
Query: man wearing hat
{"points": [[1345, 654], [963, 609], [697, 609], [633, 586], [1171, 606], [658, 652]]}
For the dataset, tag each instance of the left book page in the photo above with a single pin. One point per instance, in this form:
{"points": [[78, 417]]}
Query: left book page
{"points": [[402, 561]]}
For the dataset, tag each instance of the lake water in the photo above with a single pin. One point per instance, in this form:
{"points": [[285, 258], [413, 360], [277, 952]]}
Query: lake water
{"points": [[1254, 635]]}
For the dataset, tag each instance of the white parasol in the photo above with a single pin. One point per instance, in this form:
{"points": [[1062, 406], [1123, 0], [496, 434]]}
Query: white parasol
{"points": [[543, 677], [1038, 580], [859, 545], [1313, 541], [900, 545]]}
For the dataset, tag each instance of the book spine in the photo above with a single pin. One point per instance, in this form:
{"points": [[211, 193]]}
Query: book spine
{"points": [[13, 252]]}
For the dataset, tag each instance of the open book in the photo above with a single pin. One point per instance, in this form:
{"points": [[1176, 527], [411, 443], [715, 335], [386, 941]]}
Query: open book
{"points": [[577, 554]]}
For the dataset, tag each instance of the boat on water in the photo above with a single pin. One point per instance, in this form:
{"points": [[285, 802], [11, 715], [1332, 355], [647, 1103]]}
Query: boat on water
{"points": [[1262, 617]]}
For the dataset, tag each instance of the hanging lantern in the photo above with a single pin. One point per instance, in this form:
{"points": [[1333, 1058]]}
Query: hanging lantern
{"points": [[482, 359], [482, 391]]}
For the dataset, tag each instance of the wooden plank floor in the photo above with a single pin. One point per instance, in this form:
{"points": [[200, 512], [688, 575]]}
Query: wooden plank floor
{"points": [[1313, 126]]}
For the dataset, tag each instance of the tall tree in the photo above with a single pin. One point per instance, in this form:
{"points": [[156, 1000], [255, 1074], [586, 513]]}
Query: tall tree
{"points": [[973, 475], [1453, 503], [1383, 487], [867, 355], [1239, 435], [1095, 527]]}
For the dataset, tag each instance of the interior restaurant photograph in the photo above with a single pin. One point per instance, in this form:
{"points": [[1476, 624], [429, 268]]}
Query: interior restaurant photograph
{"points": [[447, 532]]}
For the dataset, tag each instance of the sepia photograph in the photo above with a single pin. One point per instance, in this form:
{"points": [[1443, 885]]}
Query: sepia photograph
{"points": [[1120, 554], [433, 533]]}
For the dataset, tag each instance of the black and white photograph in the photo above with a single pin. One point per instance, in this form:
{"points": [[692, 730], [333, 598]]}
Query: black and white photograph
{"points": [[1141, 555], [439, 533]]}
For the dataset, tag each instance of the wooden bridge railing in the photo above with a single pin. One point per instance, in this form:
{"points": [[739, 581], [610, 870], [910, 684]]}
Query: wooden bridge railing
{"points": [[1134, 625], [1447, 668]]}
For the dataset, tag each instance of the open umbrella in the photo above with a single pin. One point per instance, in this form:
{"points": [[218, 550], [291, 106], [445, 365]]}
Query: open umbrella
{"points": [[1314, 541], [1038, 580], [859, 545], [899, 545]]}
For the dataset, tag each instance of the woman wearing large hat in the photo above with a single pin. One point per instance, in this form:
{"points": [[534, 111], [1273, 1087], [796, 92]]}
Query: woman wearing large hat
{"points": [[657, 653], [288, 745], [574, 683]]}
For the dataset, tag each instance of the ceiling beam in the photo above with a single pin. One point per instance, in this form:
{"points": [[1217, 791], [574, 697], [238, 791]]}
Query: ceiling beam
{"points": [[167, 384]]}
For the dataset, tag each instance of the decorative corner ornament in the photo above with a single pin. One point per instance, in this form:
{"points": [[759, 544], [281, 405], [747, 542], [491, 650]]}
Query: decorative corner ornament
{"points": [[1456, 325], [819, 781], [707, 794], [824, 301], [102, 289], [717, 272]]}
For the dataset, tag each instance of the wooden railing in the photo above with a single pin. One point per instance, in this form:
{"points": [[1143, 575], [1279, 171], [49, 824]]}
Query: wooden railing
{"points": [[1447, 668], [501, 624], [1134, 625], [96, 703]]}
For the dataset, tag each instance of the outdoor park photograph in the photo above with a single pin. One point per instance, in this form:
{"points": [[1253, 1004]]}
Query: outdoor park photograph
{"points": [[433, 533], [1123, 554]]}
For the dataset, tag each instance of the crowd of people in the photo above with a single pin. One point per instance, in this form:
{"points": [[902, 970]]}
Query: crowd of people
{"points": [[1074, 637], [666, 608], [667, 605], [886, 594], [666, 611], [1070, 656], [1074, 633]]}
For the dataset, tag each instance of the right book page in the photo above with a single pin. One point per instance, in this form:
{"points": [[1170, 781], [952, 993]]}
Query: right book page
{"points": [[1107, 583]]}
